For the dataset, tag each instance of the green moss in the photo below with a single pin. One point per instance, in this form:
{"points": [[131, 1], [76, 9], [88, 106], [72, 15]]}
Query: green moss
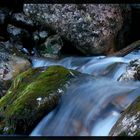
{"points": [[19, 108], [123, 133], [132, 110], [134, 107], [137, 133]]}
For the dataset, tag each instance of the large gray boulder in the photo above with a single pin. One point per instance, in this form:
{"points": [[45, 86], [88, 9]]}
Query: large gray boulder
{"points": [[91, 28]]}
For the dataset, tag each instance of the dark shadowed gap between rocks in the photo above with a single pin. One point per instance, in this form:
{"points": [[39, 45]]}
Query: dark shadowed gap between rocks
{"points": [[67, 49], [134, 33]]}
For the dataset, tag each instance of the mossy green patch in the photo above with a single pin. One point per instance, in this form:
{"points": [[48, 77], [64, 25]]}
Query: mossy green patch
{"points": [[134, 107], [137, 133], [131, 113], [123, 133], [31, 96]]}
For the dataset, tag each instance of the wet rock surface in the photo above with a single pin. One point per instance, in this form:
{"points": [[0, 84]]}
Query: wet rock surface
{"points": [[21, 18], [19, 32], [40, 35], [132, 71], [92, 28], [13, 48], [51, 47], [12, 62], [129, 122], [32, 95], [17, 35]]}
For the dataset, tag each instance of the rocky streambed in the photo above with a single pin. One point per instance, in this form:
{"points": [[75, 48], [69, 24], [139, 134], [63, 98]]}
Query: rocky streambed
{"points": [[58, 67]]}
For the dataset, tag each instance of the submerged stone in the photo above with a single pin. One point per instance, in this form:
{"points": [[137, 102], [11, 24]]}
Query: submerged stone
{"points": [[33, 94]]}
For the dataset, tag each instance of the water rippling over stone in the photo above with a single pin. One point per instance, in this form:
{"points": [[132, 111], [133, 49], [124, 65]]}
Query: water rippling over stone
{"points": [[94, 102]]}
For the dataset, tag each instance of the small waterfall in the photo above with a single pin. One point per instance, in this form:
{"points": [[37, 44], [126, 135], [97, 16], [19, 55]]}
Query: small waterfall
{"points": [[98, 66], [94, 102], [90, 107]]}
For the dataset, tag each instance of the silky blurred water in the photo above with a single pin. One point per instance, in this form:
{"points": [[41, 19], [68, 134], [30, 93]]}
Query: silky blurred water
{"points": [[93, 103], [97, 66]]}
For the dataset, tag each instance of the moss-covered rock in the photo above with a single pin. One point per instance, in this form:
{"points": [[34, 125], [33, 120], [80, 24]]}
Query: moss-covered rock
{"points": [[129, 122], [31, 96]]}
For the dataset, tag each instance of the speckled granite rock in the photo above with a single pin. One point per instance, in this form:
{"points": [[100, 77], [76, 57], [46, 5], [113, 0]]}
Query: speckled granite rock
{"points": [[132, 71], [92, 28], [22, 19], [129, 122], [10, 67]]}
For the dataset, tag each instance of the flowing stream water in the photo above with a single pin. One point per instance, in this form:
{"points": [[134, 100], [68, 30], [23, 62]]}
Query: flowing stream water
{"points": [[94, 102]]}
